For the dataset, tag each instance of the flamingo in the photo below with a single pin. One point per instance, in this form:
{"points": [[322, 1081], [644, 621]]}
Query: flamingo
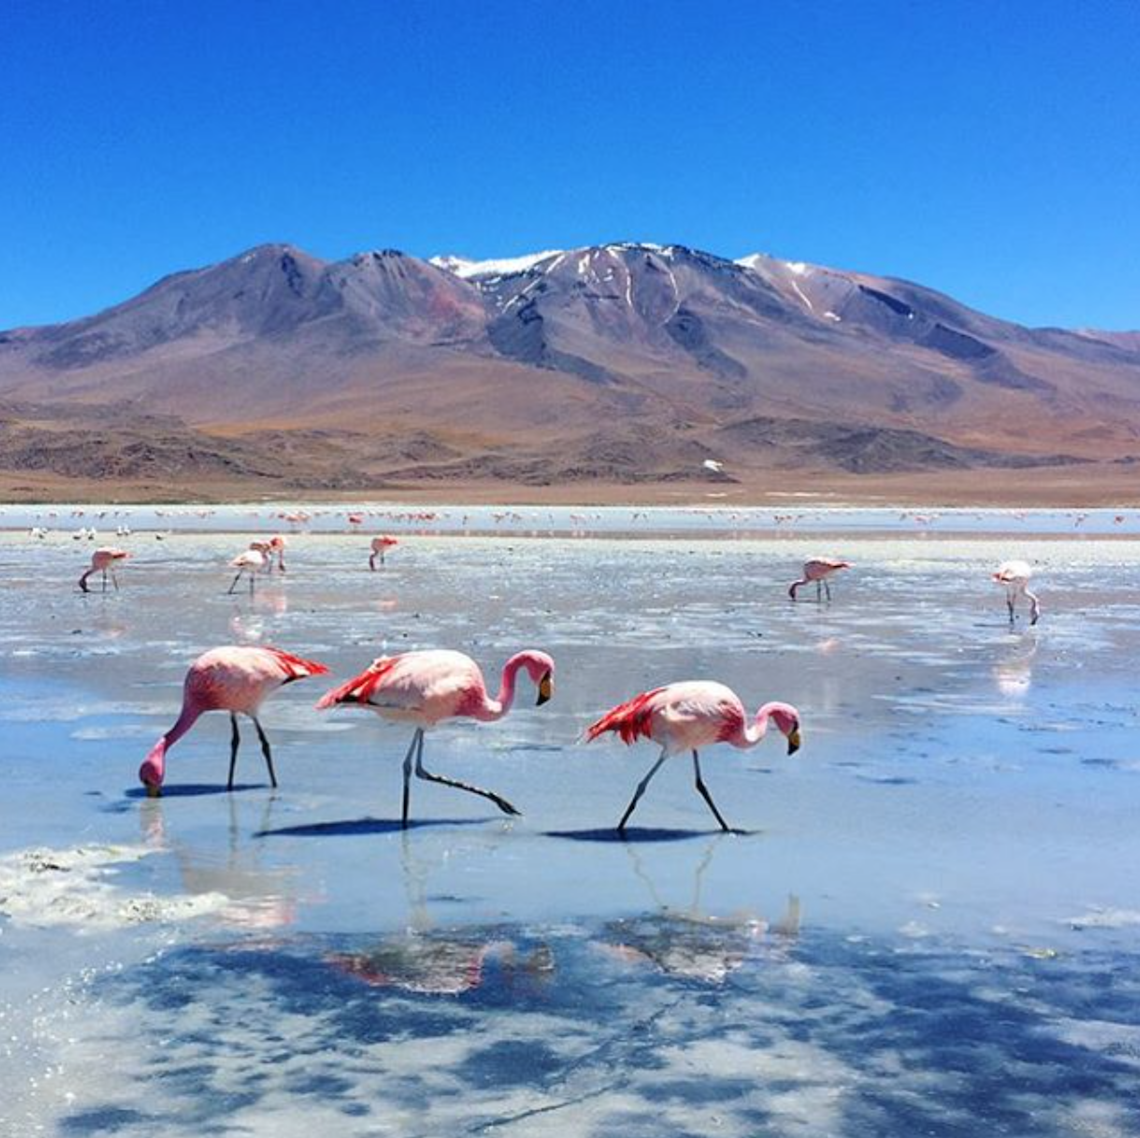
{"points": [[269, 547], [379, 546], [252, 561], [818, 569], [235, 678], [428, 686], [687, 716], [103, 560], [1014, 575]]}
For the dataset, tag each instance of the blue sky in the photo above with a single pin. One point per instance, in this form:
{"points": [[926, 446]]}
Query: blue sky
{"points": [[991, 150]]}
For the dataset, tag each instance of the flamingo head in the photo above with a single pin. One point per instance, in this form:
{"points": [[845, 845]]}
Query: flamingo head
{"points": [[787, 720], [153, 769], [540, 667]]}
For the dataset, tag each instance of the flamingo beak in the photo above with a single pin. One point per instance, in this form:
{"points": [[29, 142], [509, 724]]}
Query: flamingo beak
{"points": [[794, 741], [545, 689], [153, 790]]}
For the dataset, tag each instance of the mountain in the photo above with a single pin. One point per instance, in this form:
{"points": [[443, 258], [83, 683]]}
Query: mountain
{"points": [[618, 364]]}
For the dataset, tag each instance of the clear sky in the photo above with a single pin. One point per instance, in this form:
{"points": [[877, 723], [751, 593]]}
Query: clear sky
{"points": [[988, 148]]}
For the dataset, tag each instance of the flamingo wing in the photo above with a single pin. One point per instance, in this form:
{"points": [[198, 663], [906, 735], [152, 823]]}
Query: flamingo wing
{"points": [[360, 688], [631, 720], [295, 667]]}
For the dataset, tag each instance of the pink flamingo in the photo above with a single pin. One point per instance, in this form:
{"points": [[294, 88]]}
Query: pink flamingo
{"points": [[269, 547], [1015, 575], [252, 561], [687, 716], [818, 569], [103, 560], [379, 546], [235, 679], [428, 686]]}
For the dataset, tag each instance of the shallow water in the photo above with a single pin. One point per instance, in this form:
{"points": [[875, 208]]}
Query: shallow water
{"points": [[927, 922]]}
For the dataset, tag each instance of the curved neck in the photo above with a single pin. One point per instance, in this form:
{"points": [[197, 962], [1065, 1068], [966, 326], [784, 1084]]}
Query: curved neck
{"points": [[499, 706], [186, 719], [756, 730]]}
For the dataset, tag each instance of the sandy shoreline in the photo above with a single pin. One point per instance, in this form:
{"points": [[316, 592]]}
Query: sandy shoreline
{"points": [[1077, 487]]}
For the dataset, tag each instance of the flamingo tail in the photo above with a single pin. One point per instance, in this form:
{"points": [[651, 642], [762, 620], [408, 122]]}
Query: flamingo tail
{"points": [[631, 720], [297, 667], [359, 688]]}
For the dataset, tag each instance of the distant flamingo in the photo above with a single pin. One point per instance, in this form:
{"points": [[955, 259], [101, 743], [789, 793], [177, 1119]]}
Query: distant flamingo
{"points": [[1015, 575], [102, 561], [379, 546], [268, 547], [428, 686], [234, 679], [818, 569], [689, 715], [252, 561]]}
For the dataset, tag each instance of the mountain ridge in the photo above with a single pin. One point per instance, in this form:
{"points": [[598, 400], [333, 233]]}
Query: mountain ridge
{"points": [[546, 361]]}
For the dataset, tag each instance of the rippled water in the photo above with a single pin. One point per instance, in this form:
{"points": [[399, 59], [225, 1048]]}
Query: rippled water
{"points": [[926, 924]]}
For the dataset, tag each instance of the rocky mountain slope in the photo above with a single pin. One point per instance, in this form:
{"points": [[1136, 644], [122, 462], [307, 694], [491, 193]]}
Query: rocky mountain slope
{"points": [[622, 363]]}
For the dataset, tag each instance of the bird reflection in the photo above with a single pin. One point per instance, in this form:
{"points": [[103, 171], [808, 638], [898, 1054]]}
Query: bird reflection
{"points": [[1013, 673], [694, 945], [256, 898], [443, 961]]}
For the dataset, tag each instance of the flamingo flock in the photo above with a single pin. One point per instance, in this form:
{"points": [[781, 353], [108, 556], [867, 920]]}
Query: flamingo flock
{"points": [[428, 687]]}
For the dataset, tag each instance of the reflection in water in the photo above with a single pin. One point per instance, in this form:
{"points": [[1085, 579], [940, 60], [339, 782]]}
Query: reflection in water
{"points": [[1013, 673], [258, 898], [693, 945], [445, 962]]}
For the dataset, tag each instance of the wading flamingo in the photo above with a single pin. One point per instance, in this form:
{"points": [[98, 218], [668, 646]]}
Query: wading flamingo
{"points": [[428, 686], [379, 546], [818, 569], [102, 561], [252, 561], [234, 679], [1014, 575], [687, 716], [268, 547]]}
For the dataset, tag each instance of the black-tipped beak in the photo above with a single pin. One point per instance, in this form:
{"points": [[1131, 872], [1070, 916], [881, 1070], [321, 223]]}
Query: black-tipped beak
{"points": [[545, 689], [794, 741]]}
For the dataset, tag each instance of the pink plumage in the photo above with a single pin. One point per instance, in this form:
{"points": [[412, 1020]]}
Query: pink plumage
{"points": [[817, 570], [237, 679], [380, 546], [429, 686], [103, 561], [690, 715]]}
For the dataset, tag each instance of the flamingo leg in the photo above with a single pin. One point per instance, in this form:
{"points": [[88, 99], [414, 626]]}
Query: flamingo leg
{"points": [[422, 772], [235, 581], [372, 562], [114, 580], [1034, 607], [1009, 605], [704, 791], [818, 592], [641, 790], [417, 741], [235, 742], [104, 580], [265, 751], [827, 589], [251, 577]]}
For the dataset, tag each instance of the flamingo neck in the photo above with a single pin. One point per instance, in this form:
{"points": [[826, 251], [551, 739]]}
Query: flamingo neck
{"points": [[153, 770], [753, 732], [499, 706]]}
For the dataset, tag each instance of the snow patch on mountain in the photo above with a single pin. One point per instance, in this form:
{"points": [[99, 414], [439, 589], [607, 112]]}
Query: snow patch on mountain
{"points": [[501, 267]]}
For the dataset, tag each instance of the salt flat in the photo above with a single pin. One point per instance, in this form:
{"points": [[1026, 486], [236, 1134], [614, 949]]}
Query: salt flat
{"points": [[926, 924]]}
